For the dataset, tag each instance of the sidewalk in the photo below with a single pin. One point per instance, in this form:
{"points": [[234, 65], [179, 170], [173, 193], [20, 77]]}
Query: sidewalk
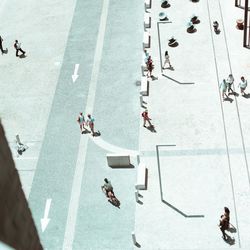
{"points": [[207, 168]]}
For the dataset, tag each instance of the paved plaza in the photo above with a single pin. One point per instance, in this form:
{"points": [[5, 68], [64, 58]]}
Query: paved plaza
{"points": [[197, 158]]}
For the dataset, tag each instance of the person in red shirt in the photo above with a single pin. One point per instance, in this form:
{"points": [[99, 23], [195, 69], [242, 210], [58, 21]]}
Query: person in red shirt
{"points": [[146, 118], [150, 66]]}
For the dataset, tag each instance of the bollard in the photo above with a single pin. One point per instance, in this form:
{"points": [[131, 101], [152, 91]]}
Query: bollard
{"points": [[136, 196], [141, 100]]}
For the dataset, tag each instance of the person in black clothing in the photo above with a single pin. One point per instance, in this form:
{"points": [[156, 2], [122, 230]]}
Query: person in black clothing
{"points": [[1, 45], [225, 222], [17, 46]]}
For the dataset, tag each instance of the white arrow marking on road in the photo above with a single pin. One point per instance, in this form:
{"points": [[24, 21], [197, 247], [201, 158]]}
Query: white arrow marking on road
{"points": [[75, 75], [45, 220]]}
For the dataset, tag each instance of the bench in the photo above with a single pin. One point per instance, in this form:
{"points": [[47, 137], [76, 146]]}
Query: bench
{"points": [[118, 160], [144, 86], [146, 40], [141, 176], [147, 20], [147, 4]]}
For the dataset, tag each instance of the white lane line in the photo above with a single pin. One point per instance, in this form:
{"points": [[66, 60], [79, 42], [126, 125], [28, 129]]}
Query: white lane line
{"points": [[25, 158], [112, 148], [77, 181]]}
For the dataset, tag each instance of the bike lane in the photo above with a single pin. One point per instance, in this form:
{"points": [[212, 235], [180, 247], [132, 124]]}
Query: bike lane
{"points": [[57, 159], [100, 225]]}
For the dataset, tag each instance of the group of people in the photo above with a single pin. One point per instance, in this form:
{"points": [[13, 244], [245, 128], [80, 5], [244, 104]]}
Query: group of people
{"points": [[226, 86], [149, 62], [89, 122], [17, 46]]}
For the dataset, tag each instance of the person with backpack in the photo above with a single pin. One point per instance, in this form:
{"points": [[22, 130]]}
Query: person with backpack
{"points": [[17, 46], [146, 118]]}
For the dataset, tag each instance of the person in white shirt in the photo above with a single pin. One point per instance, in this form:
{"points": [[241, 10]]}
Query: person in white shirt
{"points": [[167, 61], [243, 85], [230, 81]]}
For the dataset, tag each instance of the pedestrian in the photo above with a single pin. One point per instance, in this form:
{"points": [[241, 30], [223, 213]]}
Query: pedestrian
{"points": [[81, 121], [223, 87], [146, 118], [230, 81], [243, 85], [216, 27], [107, 186], [90, 123], [167, 60], [1, 45], [150, 67], [17, 46], [224, 222]]}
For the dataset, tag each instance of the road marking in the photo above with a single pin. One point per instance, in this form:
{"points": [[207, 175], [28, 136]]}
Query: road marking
{"points": [[25, 158], [77, 181], [45, 220], [75, 75], [112, 148]]}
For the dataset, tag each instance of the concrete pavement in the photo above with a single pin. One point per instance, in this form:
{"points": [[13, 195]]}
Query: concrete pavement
{"points": [[198, 158]]}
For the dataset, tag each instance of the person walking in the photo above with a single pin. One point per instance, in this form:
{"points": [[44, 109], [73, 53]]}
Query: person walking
{"points": [[90, 123], [223, 87], [81, 121], [146, 118], [166, 60], [1, 45], [107, 186], [150, 67], [224, 222], [230, 81], [243, 85], [17, 46]]}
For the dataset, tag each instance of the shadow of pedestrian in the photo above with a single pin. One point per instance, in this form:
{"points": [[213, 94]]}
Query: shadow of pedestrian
{"points": [[170, 68], [86, 131], [232, 228], [98, 133], [229, 240], [5, 51], [151, 128], [228, 99], [247, 96], [234, 93], [22, 56], [217, 32], [154, 78]]}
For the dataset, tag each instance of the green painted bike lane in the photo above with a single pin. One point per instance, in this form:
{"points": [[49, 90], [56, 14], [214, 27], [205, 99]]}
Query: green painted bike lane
{"points": [[117, 111], [57, 160]]}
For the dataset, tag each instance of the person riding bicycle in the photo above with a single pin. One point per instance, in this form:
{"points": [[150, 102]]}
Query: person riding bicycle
{"points": [[108, 187]]}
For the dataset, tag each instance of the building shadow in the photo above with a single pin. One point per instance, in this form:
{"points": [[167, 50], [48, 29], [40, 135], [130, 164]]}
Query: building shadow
{"points": [[174, 80]]}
